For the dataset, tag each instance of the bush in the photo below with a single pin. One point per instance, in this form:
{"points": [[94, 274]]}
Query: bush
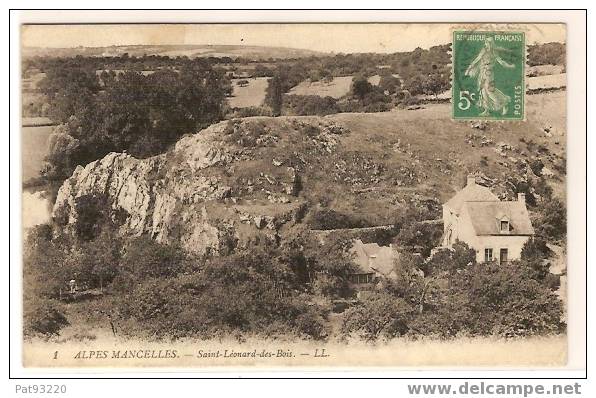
{"points": [[146, 258], [378, 314], [252, 111], [251, 292], [457, 296], [546, 54], [360, 87], [552, 281], [306, 105], [505, 301], [326, 219], [536, 166], [42, 317]]}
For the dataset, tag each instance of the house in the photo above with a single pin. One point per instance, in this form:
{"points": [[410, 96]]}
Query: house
{"points": [[496, 229], [374, 261]]}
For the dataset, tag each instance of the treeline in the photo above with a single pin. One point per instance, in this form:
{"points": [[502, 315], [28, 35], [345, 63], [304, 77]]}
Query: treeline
{"points": [[127, 111], [121, 62]]}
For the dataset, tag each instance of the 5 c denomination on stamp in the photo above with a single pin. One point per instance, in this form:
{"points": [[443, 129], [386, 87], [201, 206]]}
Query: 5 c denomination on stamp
{"points": [[488, 75]]}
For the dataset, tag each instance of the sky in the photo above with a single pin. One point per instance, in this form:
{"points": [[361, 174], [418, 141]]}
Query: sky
{"points": [[345, 38]]}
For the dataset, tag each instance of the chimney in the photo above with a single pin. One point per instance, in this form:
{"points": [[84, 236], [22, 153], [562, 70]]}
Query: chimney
{"points": [[471, 180], [521, 197]]}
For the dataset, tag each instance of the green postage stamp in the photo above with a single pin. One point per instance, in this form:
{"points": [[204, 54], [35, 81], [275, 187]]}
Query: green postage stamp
{"points": [[488, 75]]}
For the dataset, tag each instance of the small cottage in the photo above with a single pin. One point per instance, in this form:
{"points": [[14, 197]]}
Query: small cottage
{"points": [[374, 261], [496, 229]]}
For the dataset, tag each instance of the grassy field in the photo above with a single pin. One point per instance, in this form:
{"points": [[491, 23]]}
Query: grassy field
{"points": [[337, 88], [251, 95]]}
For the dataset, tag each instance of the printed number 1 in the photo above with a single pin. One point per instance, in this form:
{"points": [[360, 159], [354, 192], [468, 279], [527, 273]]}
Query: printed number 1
{"points": [[465, 98], [55, 354]]}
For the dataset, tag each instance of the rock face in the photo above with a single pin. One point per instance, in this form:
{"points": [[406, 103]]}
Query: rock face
{"points": [[186, 194]]}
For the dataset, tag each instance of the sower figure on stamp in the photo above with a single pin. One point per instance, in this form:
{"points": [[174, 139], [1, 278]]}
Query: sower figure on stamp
{"points": [[491, 99]]}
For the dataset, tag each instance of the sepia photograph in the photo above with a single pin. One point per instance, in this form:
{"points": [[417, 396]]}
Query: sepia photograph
{"points": [[294, 195]]}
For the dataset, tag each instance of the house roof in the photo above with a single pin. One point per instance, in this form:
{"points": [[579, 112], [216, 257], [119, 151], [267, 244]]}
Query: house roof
{"points": [[471, 193], [372, 258], [486, 216]]}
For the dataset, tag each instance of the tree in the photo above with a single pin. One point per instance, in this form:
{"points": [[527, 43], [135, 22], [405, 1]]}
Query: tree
{"points": [[248, 292], [390, 83], [419, 237], [378, 314], [274, 95], [100, 262], [552, 223], [505, 300], [415, 85], [144, 258], [435, 84], [360, 87], [132, 112]]}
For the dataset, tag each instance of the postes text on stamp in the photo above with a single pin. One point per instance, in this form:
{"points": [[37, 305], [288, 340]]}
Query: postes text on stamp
{"points": [[488, 75]]}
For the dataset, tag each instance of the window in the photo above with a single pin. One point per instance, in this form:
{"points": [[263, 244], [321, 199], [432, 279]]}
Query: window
{"points": [[504, 226], [503, 255], [488, 255], [362, 278]]}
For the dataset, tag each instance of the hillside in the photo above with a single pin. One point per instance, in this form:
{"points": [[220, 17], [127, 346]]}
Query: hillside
{"points": [[263, 176], [191, 51]]}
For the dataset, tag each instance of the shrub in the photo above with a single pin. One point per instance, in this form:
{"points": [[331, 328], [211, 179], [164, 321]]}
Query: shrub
{"points": [[506, 301], [250, 292], [378, 314], [305, 105], [146, 258], [390, 83], [42, 317], [536, 166], [360, 87], [252, 111], [326, 219]]}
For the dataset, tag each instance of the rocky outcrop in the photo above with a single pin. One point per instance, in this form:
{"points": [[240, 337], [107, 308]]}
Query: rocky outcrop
{"points": [[189, 194]]}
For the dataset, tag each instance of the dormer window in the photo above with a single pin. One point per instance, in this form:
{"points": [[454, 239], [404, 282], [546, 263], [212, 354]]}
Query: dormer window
{"points": [[504, 226]]}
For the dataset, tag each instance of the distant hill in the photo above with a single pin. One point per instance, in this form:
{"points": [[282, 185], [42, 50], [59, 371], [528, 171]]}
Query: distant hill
{"points": [[192, 51]]}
